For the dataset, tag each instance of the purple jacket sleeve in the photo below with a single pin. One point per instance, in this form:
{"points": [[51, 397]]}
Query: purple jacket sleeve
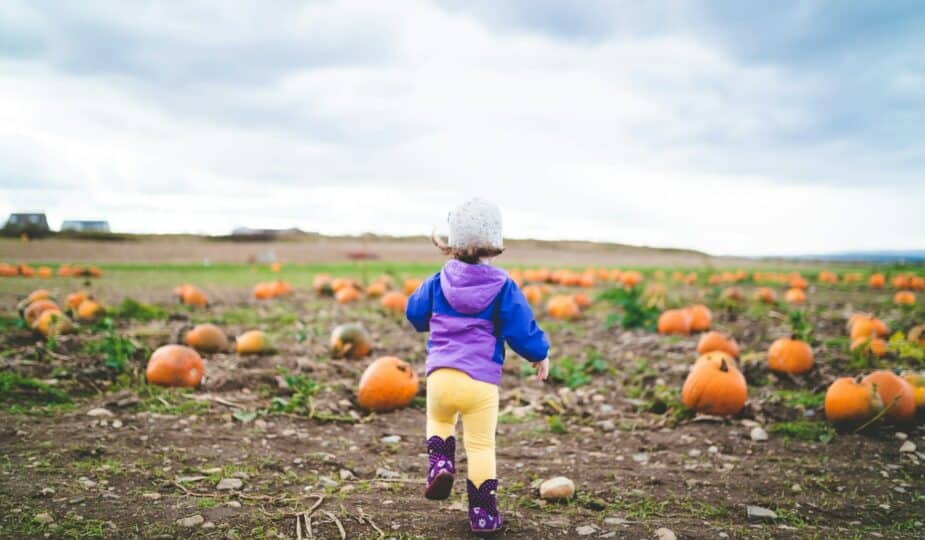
{"points": [[518, 327], [420, 305]]}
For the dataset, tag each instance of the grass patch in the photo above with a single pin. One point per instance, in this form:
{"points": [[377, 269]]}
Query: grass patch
{"points": [[801, 398], [26, 391], [137, 311], [803, 431], [175, 401]]}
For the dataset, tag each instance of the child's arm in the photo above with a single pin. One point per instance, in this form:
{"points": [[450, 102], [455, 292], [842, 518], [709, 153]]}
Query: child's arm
{"points": [[419, 307], [518, 327]]}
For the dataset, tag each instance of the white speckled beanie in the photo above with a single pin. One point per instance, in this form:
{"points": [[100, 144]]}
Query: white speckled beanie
{"points": [[475, 223]]}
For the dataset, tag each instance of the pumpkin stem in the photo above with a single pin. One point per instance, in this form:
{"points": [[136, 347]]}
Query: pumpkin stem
{"points": [[722, 365]]}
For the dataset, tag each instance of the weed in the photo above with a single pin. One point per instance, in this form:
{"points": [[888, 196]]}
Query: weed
{"points": [[135, 310], [118, 350], [635, 313], [28, 391]]}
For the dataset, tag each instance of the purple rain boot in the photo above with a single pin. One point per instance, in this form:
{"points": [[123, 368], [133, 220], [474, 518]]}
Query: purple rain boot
{"points": [[442, 454], [484, 517]]}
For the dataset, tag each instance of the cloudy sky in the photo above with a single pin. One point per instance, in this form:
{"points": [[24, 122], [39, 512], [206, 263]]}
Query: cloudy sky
{"points": [[797, 127]]}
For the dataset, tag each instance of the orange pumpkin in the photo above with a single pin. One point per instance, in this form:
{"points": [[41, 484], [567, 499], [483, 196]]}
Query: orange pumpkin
{"points": [[8, 270], [581, 300], [64, 270], [74, 300], [796, 281], [876, 281], [631, 278], [44, 272], [897, 395], [175, 365], [701, 317], [765, 295], [715, 386], [674, 321], [207, 338], [388, 383], [35, 309], [562, 307], [870, 345], [827, 277], [191, 295], [917, 382], [276, 267], [733, 294], [338, 284], [533, 294], [253, 342], [264, 291], [38, 294], [52, 322], [716, 341], [411, 285], [395, 302], [788, 355], [376, 290], [26, 271], [917, 283], [904, 298], [350, 340], [89, 311], [281, 288], [851, 402], [864, 327], [586, 280], [795, 296], [322, 284], [346, 295]]}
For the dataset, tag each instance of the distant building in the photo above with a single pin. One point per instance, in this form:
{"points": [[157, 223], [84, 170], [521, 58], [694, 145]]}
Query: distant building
{"points": [[73, 225], [30, 224]]}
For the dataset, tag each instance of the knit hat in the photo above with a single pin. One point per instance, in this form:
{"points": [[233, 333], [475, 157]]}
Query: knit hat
{"points": [[475, 223]]}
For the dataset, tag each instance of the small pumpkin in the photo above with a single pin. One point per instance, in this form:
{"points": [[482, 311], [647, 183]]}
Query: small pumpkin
{"points": [[34, 296], [765, 295], [338, 284], [191, 295], [276, 267], [630, 278], [264, 291], [207, 338], [350, 340], [897, 394], [715, 386], [253, 342], [864, 327], [701, 317], [562, 307], [44, 272], [917, 382], [347, 295], [35, 309], [533, 294], [395, 302], [870, 345], [788, 355], [795, 296], [52, 322], [904, 298], [876, 281], [74, 300], [851, 401], [8, 270], [26, 271], [733, 294], [64, 270], [674, 321], [281, 288], [376, 290], [582, 300], [89, 311], [826, 276], [175, 365], [796, 281], [322, 284], [388, 383], [717, 341]]}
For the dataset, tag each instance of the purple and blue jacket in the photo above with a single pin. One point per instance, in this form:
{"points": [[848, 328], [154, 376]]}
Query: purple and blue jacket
{"points": [[471, 310]]}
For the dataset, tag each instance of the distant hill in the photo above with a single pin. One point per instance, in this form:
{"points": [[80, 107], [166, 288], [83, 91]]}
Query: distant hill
{"points": [[916, 256]]}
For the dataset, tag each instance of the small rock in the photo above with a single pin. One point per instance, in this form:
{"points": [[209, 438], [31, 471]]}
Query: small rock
{"points": [[86, 483], [694, 452], [346, 475], [117, 423], [758, 513], [901, 436], [233, 504], [391, 439], [43, 518], [385, 473], [713, 450], [226, 484], [615, 521], [327, 482], [907, 448], [758, 434], [585, 530], [151, 495], [607, 426], [796, 488], [190, 522], [99, 411], [208, 525], [47, 492], [641, 458], [664, 533], [288, 432], [558, 488]]}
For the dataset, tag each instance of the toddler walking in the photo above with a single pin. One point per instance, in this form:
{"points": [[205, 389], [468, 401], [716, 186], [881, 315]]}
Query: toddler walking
{"points": [[471, 310]]}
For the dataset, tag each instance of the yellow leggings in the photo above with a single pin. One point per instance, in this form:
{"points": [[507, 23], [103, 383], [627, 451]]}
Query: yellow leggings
{"points": [[451, 393]]}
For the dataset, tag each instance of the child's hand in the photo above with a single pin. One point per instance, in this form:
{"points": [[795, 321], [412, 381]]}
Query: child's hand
{"points": [[542, 370]]}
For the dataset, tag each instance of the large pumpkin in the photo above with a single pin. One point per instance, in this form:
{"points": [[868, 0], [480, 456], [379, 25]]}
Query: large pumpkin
{"points": [[52, 322], [852, 402], [388, 383], [281, 288], [395, 302], [175, 365], [207, 338], [35, 309], [562, 307], [716, 341], [264, 290], [252, 342], [701, 317], [917, 381], [674, 321], [350, 340], [788, 355], [897, 394], [715, 386]]}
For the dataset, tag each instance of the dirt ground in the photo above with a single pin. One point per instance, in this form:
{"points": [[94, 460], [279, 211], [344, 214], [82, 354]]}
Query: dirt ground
{"points": [[157, 457]]}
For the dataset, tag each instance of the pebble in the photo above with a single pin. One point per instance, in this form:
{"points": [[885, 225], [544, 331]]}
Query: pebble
{"points": [[226, 484], [758, 434], [385, 473], [907, 448], [607, 426], [796, 488], [208, 525], [99, 411], [47, 492], [86, 483], [664, 533], [758, 513], [713, 450], [233, 504], [615, 521], [44, 518], [694, 452], [190, 522], [391, 439], [346, 475], [116, 424], [151, 495], [557, 488], [901, 436], [327, 482], [585, 530], [641, 458]]}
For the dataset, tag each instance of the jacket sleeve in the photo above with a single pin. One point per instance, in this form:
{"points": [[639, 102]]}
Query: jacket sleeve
{"points": [[420, 305], [518, 327]]}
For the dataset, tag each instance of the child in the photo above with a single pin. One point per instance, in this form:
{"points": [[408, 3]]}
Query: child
{"points": [[471, 309]]}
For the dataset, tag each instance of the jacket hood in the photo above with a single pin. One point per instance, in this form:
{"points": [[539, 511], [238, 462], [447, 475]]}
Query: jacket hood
{"points": [[470, 288]]}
